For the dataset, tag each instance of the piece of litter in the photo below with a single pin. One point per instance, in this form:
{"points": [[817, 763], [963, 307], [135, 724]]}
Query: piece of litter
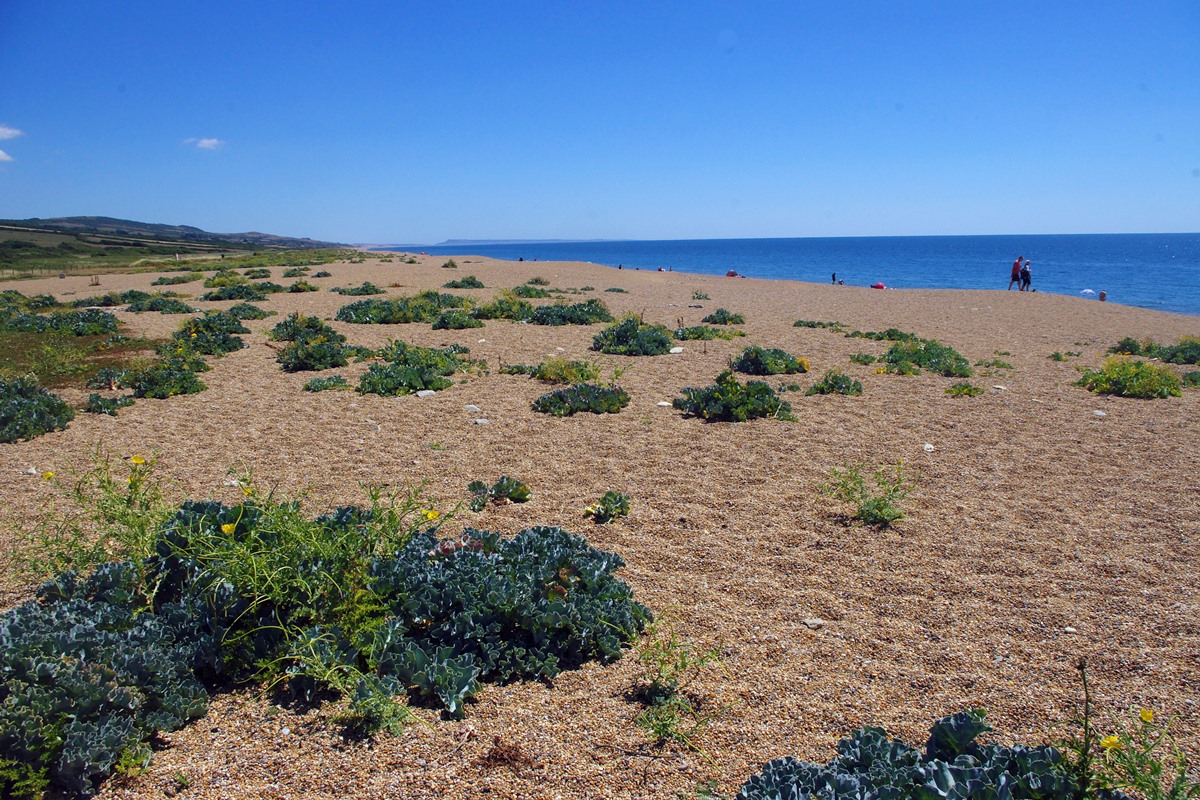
{"points": [[31, 471], [664, 404], [676, 350], [999, 388], [928, 447], [1099, 414]]}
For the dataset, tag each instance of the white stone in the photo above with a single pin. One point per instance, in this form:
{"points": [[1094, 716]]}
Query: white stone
{"points": [[1069, 629], [999, 388], [928, 447], [676, 350], [482, 422], [472, 409], [1099, 414], [813, 623], [426, 393], [664, 404], [31, 471]]}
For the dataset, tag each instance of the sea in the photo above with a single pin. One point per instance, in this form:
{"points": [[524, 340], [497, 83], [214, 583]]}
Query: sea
{"points": [[1157, 271]]}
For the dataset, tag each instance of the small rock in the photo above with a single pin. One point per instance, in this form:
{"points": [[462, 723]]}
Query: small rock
{"points": [[1069, 629], [561, 350], [814, 623], [286, 731], [481, 341], [483, 422], [354, 405], [1099, 413], [370, 422], [472, 409], [426, 393], [664, 404], [928, 447], [31, 471], [676, 350], [999, 388]]}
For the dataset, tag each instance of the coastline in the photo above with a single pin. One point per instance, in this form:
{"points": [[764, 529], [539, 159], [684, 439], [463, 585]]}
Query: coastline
{"points": [[1032, 515]]}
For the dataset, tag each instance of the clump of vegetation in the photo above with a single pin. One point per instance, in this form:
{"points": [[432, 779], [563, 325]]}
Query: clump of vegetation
{"points": [[808, 323], [836, 382], [667, 665], [723, 317], [248, 311], [505, 305], [530, 292], [582, 397], [557, 370], [98, 404], [450, 263], [168, 377], [731, 401], [410, 369], [259, 273], [537, 281], [1186, 351], [863, 358], [175, 280], [362, 290], [325, 384], [756, 360], [617, 290], [469, 282], [27, 410], [245, 291], [964, 389], [890, 335], [211, 335], [456, 319], [225, 278], [632, 337], [1057, 356], [1190, 380], [993, 363], [876, 765], [875, 505], [163, 305], [699, 295], [324, 273], [295, 272], [929, 354], [312, 344], [85, 322], [705, 333], [1126, 377], [585, 313], [302, 286], [423, 307], [611, 505], [111, 299], [503, 491]]}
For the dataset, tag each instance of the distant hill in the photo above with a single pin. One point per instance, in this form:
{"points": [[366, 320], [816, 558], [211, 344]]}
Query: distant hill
{"points": [[129, 229]]}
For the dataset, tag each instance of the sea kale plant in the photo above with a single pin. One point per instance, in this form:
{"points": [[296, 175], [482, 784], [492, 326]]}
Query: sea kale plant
{"points": [[723, 317], [503, 491], [410, 369], [582, 397], [1127, 377], [612, 504], [904, 356], [632, 337], [312, 344], [731, 401], [585, 313], [756, 360], [27, 410], [423, 307]]}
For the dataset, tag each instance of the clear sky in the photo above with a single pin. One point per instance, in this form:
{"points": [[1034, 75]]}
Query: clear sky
{"points": [[407, 122]]}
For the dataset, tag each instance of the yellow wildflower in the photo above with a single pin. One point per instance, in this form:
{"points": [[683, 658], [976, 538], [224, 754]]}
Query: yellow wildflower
{"points": [[430, 514], [1147, 716], [137, 461], [1111, 742], [48, 474], [228, 528]]}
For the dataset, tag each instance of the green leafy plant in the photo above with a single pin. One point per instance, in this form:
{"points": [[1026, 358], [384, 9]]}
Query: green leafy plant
{"points": [[617, 290], [98, 404], [582, 397], [258, 273], [585, 313], [247, 311], [112, 299], [808, 323], [175, 280], [723, 317], [836, 382], [756, 360], [556, 370], [450, 263], [469, 282], [505, 305], [631, 337], [1186, 351], [1125, 377], [994, 363], [964, 389], [667, 665], [456, 319], [324, 273], [611, 505], [1190, 380], [864, 359], [364, 289], [27, 410], [705, 333], [928, 354], [294, 272], [889, 335], [731, 401], [537, 281], [302, 285], [421, 307], [245, 291], [163, 305], [503, 491], [699, 295], [877, 504], [225, 278], [530, 292], [412, 369], [1057, 356], [325, 384]]}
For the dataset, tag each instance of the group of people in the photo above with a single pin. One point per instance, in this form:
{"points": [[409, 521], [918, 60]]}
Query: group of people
{"points": [[1022, 274]]}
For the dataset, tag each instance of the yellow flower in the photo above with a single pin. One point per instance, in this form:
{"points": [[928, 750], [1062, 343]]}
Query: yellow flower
{"points": [[246, 490], [137, 461], [228, 528], [430, 514], [1111, 742], [48, 474], [1147, 716]]}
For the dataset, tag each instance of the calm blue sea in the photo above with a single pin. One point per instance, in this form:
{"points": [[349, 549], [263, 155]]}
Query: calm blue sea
{"points": [[1159, 271]]}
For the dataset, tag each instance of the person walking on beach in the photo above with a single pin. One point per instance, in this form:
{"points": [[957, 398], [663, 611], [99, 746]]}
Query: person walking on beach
{"points": [[1016, 274], [1026, 276]]}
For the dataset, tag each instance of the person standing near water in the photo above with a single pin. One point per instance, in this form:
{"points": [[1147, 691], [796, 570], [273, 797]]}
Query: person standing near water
{"points": [[1016, 273], [1026, 276]]}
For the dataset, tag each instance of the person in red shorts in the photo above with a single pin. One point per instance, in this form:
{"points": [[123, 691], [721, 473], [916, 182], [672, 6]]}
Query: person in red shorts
{"points": [[1016, 273]]}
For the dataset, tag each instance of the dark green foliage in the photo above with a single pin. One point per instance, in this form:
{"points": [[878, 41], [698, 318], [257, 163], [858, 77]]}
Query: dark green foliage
{"points": [[411, 369], [85, 322], [112, 299], [163, 305], [505, 305], [705, 333], [556, 370], [964, 389], [450, 263], [584, 313], [258, 273], [731, 401], [469, 282], [890, 335], [1186, 351], [423, 307], [225, 278], [11, 299], [836, 382], [87, 678], [324, 384], [504, 490], [210, 335], [267, 287], [301, 286], [1125, 377], [456, 319], [499, 610], [617, 290], [294, 272], [862, 358], [325, 273], [756, 360], [530, 292], [612, 504], [630, 337], [27, 410], [582, 397], [808, 323], [929, 354], [723, 317], [367, 288], [175, 280], [872, 766], [161, 380], [98, 404], [297, 327], [537, 281], [247, 311], [1190, 380], [243, 291], [313, 345]]}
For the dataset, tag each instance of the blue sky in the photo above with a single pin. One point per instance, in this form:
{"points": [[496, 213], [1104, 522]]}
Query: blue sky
{"points": [[415, 122]]}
